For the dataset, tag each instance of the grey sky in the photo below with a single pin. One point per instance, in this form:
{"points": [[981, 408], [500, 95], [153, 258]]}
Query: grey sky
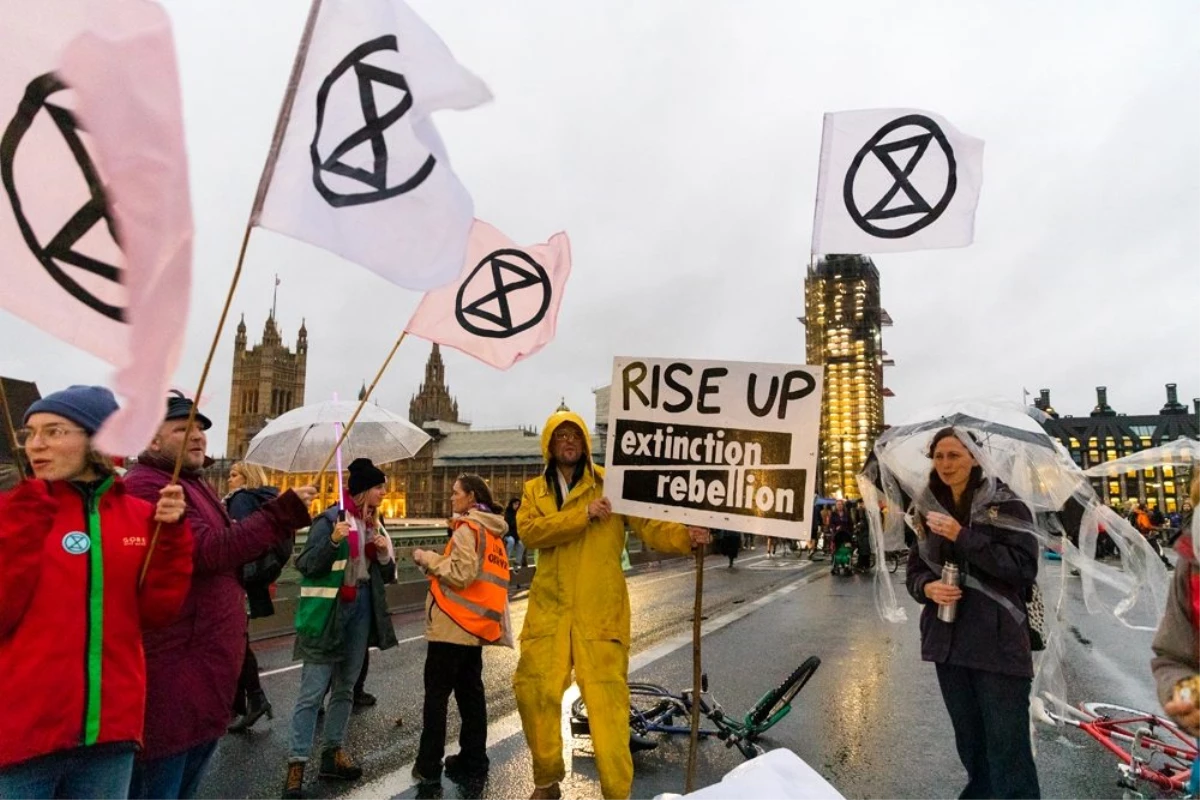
{"points": [[677, 143]]}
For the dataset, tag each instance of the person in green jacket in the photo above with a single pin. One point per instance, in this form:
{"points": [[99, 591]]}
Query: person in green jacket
{"points": [[342, 606]]}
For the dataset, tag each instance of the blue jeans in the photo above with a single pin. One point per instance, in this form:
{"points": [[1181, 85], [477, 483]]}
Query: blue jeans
{"points": [[176, 776], [355, 619], [101, 772], [516, 551]]}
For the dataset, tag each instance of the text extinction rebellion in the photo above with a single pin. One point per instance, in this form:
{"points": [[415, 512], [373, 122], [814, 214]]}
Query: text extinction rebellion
{"points": [[723, 444]]}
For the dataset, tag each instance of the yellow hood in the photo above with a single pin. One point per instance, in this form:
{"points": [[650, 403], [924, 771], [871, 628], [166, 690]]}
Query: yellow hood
{"points": [[558, 418]]}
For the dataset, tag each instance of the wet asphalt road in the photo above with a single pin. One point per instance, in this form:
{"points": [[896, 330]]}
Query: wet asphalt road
{"points": [[871, 720]]}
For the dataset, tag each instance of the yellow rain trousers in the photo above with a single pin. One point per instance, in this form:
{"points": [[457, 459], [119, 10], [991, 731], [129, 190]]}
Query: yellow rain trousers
{"points": [[578, 619]]}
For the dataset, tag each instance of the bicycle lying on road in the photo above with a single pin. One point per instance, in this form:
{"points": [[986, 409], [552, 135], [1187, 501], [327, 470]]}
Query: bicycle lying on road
{"points": [[654, 709], [1152, 749]]}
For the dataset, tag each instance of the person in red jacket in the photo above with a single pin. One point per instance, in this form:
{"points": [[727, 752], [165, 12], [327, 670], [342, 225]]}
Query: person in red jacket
{"points": [[192, 666], [72, 546]]}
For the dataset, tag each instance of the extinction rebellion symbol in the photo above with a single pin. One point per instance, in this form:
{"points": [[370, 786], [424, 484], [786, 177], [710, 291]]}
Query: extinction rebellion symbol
{"points": [[60, 249], [890, 154], [500, 275], [376, 175], [76, 543]]}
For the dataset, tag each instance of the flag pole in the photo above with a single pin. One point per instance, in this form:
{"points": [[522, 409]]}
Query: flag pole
{"points": [[268, 171], [697, 680], [362, 402], [17, 450], [285, 113]]}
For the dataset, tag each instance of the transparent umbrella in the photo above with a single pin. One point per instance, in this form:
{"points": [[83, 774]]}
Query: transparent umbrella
{"points": [[1181, 452], [301, 439], [1020, 462]]}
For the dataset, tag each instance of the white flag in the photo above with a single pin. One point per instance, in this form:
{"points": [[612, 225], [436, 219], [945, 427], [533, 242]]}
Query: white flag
{"points": [[895, 179], [361, 171]]}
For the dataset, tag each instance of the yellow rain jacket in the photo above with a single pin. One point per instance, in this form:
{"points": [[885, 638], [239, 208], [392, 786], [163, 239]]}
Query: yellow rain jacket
{"points": [[578, 617]]}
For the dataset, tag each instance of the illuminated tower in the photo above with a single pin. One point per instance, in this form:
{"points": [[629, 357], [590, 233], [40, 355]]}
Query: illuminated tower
{"points": [[844, 322]]}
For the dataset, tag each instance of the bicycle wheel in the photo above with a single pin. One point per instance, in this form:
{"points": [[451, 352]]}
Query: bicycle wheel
{"points": [[781, 696]]}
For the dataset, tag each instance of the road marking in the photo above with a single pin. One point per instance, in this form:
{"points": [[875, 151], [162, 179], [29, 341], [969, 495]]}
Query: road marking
{"points": [[688, 571], [300, 664], [399, 781]]}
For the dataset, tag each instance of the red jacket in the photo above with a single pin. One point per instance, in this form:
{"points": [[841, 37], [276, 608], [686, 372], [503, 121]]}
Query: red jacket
{"points": [[71, 613]]}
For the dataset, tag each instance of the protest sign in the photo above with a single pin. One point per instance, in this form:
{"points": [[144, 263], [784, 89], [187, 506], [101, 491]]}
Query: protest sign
{"points": [[721, 444]]}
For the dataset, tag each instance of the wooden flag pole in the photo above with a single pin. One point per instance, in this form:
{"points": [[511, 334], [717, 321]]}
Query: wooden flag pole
{"points": [[366, 396], [285, 112], [696, 671], [17, 450], [260, 196]]}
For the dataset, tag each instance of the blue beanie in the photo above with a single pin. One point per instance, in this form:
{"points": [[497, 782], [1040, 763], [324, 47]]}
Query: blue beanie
{"points": [[87, 406]]}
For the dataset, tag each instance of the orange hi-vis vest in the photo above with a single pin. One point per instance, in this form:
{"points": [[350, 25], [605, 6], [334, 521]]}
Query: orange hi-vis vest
{"points": [[479, 608]]}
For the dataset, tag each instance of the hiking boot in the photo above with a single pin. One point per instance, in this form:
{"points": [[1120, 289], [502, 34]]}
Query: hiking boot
{"points": [[337, 764], [461, 770], [424, 779], [293, 785], [550, 792], [364, 699]]}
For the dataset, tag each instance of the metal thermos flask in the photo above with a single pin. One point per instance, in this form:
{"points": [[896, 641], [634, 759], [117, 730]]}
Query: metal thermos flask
{"points": [[951, 577]]}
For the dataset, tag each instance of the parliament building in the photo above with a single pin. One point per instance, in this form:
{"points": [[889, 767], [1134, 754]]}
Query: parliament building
{"points": [[268, 380]]}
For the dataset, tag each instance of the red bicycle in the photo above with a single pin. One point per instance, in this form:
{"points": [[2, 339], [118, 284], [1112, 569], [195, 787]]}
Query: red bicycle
{"points": [[1152, 749]]}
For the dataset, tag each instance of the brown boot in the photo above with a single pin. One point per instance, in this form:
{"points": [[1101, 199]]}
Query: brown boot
{"points": [[293, 785], [550, 792], [336, 763]]}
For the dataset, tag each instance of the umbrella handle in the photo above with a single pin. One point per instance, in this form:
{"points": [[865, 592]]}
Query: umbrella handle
{"points": [[337, 437]]}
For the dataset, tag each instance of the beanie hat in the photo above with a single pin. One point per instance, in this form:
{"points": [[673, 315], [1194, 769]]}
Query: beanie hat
{"points": [[364, 475], [179, 407], [86, 406]]}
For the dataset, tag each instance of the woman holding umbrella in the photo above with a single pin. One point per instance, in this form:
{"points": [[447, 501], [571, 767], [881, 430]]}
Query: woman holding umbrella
{"points": [[983, 656], [343, 607]]}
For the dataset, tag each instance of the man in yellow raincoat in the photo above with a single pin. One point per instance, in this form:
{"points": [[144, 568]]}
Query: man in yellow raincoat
{"points": [[578, 612]]}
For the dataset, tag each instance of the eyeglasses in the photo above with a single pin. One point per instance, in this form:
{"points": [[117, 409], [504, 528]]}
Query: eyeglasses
{"points": [[51, 434], [567, 435]]}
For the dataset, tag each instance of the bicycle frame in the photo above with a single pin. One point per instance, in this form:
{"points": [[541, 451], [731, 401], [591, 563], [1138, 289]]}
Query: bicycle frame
{"points": [[1144, 744], [741, 733]]}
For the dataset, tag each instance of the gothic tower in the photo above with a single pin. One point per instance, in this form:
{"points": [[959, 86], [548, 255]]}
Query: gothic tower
{"points": [[433, 401], [268, 380]]}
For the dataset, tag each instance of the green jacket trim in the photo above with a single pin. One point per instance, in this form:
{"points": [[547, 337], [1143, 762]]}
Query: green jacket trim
{"points": [[95, 617]]}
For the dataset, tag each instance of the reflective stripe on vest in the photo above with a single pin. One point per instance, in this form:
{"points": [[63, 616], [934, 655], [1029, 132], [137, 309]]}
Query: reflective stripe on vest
{"points": [[479, 608], [318, 596]]}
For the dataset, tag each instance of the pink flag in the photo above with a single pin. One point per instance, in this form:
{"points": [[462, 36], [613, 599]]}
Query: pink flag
{"points": [[504, 305], [95, 220]]}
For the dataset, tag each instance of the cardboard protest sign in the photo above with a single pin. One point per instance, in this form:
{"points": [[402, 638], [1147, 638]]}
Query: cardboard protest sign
{"points": [[722, 444]]}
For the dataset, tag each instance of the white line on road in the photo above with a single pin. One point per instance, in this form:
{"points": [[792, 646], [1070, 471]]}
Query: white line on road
{"points": [[401, 780], [299, 664]]}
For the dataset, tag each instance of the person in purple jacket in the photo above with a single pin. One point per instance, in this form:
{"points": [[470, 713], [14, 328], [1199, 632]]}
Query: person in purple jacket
{"points": [[192, 666]]}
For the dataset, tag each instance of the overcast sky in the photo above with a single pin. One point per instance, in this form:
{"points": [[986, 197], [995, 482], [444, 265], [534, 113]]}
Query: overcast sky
{"points": [[676, 141]]}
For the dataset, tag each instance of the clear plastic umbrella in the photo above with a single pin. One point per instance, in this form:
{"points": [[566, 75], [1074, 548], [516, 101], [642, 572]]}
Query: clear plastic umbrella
{"points": [[1179, 453], [1020, 462], [301, 439]]}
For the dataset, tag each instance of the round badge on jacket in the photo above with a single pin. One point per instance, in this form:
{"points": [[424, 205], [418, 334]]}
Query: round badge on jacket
{"points": [[76, 543]]}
